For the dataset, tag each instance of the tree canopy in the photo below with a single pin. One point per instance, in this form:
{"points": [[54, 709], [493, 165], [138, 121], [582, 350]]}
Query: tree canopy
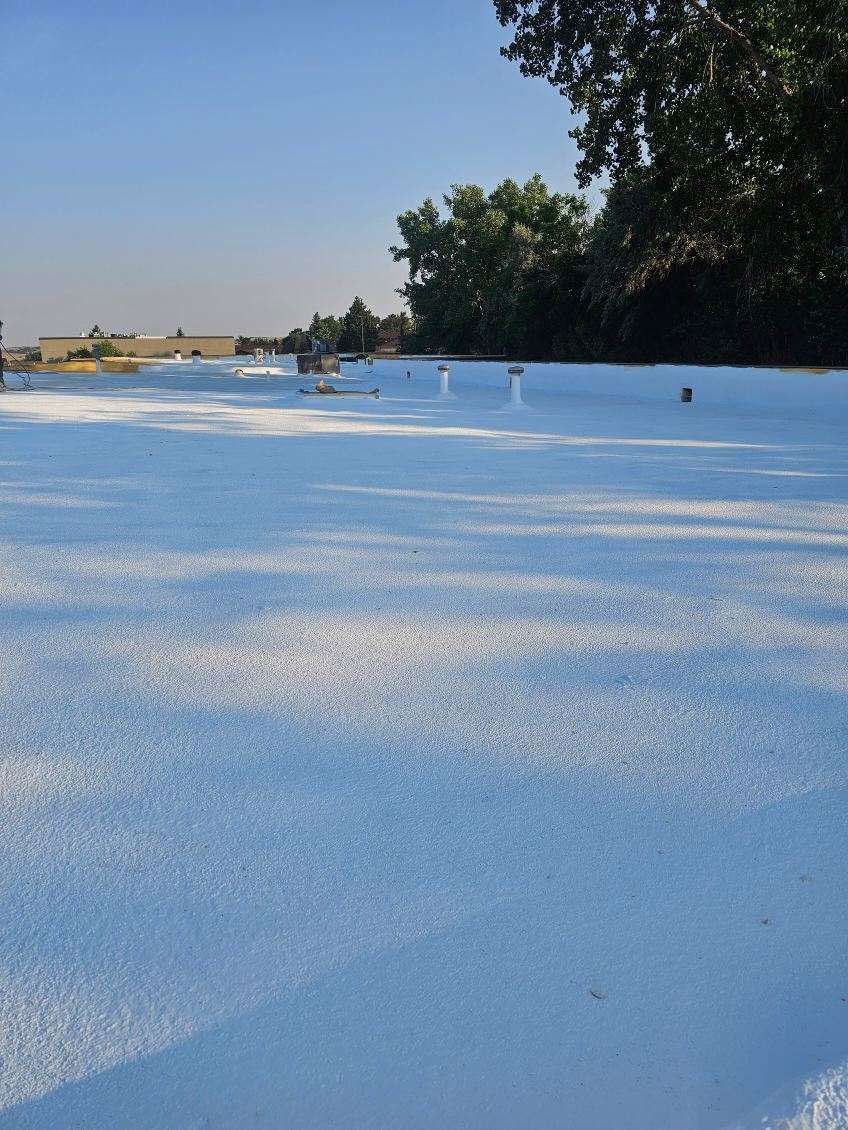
{"points": [[754, 89], [360, 327], [723, 128], [495, 273], [326, 328], [396, 332]]}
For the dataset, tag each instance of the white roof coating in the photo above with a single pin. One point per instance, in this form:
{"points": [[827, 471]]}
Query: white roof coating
{"points": [[405, 763]]}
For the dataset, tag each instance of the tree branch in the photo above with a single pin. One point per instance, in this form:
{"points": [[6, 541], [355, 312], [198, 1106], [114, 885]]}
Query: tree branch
{"points": [[756, 58]]}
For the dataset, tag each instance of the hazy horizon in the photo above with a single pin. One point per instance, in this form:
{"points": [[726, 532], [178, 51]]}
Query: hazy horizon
{"points": [[232, 172]]}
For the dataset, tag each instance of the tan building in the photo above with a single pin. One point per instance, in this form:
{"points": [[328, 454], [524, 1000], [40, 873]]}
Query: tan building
{"points": [[210, 345]]}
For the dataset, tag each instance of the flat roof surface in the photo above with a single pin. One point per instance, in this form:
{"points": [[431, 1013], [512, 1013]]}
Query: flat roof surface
{"points": [[404, 762]]}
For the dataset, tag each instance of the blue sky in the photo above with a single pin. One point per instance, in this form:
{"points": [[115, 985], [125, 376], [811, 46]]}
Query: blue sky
{"points": [[233, 167]]}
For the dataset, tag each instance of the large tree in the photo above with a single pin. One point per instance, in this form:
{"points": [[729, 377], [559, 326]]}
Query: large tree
{"points": [[396, 332], [732, 117], [296, 341], [326, 328], [756, 84], [497, 273], [359, 327]]}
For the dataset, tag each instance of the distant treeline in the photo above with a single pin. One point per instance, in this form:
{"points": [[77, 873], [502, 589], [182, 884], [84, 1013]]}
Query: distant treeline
{"points": [[723, 129], [360, 330]]}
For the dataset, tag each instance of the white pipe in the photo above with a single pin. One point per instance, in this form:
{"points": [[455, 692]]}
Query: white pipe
{"points": [[515, 401], [444, 388], [515, 389]]}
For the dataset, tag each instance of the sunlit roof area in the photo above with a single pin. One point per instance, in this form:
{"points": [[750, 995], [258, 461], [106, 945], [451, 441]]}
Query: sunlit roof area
{"points": [[470, 755]]}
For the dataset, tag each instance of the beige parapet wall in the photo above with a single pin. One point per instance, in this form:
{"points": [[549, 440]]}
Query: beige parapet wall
{"points": [[56, 348]]}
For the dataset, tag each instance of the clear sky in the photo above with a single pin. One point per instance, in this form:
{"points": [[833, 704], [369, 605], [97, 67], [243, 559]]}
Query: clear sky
{"points": [[232, 167]]}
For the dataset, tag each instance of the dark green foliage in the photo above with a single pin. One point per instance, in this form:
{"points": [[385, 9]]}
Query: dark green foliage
{"points": [[295, 341], [107, 349], [499, 273], [723, 125], [326, 328], [661, 293], [246, 344], [397, 333], [359, 328]]}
